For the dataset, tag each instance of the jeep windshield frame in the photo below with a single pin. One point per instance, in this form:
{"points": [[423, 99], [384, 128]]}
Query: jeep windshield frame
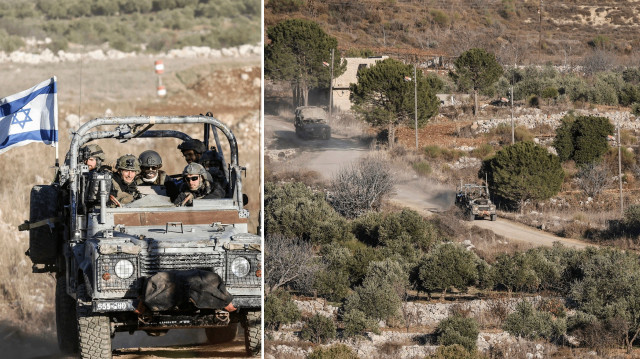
{"points": [[127, 128]]}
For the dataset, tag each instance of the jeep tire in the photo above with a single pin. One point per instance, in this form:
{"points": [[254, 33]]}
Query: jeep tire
{"points": [[494, 217], [471, 217], [253, 333], [94, 331], [219, 335], [43, 240], [66, 325]]}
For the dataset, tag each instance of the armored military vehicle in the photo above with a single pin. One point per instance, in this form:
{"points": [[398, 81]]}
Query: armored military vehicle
{"points": [[311, 122], [147, 265], [474, 200]]}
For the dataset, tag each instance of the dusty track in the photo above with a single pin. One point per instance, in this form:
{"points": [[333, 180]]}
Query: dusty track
{"points": [[422, 195]]}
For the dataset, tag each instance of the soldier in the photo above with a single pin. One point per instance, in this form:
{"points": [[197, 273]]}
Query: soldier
{"points": [[150, 172], [211, 162], [192, 150], [196, 185], [93, 156], [123, 186]]}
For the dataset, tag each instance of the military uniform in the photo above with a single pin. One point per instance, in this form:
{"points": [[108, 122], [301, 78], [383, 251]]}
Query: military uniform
{"points": [[124, 193], [207, 189]]}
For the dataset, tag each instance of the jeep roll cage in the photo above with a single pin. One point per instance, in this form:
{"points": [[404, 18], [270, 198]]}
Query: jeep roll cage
{"points": [[129, 128]]}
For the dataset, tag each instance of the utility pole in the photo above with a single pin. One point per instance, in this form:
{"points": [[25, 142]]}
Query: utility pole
{"points": [[620, 173], [331, 89], [415, 101], [513, 128], [540, 32]]}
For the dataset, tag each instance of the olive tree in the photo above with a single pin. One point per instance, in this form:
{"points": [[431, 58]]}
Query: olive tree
{"points": [[446, 266]]}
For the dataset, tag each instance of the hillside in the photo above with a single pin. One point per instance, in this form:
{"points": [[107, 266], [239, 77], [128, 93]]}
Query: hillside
{"points": [[561, 33]]}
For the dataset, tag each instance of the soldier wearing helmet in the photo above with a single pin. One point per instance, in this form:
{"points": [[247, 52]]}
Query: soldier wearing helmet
{"points": [[123, 185], [93, 156], [150, 172], [192, 150], [210, 160], [196, 185]]}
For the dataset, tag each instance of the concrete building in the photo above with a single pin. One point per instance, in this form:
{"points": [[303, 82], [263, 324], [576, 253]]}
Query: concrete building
{"points": [[341, 83]]}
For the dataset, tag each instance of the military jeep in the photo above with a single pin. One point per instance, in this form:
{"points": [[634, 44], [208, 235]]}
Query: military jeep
{"points": [[474, 200], [311, 122], [147, 265]]}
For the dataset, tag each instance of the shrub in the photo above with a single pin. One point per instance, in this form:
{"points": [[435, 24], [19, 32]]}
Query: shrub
{"points": [[593, 178], [295, 211], [440, 18], [523, 171], [336, 351], [279, 309], [422, 168], [357, 323], [378, 301], [520, 133], [550, 93], [332, 281], [513, 272], [318, 329], [530, 323], [448, 265], [361, 187], [635, 108], [483, 151], [458, 330], [632, 218], [282, 254], [455, 351], [534, 101], [284, 6], [437, 152]]}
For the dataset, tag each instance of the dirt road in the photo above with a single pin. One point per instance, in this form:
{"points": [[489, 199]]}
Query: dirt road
{"points": [[420, 194]]}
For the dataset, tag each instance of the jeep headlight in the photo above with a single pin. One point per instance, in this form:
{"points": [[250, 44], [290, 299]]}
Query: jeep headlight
{"points": [[124, 269], [240, 267], [475, 208]]}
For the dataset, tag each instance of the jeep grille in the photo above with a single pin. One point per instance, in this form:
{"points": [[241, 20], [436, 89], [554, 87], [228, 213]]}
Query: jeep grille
{"points": [[155, 263]]}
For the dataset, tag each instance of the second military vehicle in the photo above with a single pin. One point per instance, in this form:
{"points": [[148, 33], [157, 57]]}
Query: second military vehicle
{"points": [[474, 200], [311, 122]]}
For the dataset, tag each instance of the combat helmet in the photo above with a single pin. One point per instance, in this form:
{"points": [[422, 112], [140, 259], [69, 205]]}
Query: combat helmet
{"points": [[210, 159], [128, 162], [92, 150], [150, 158], [193, 144], [194, 169]]}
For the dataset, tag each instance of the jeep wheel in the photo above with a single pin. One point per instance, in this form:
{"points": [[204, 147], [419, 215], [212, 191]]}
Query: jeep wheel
{"points": [[494, 217], [94, 331], [43, 240], [221, 335], [327, 135], [66, 326], [472, 217], [253, 333]]}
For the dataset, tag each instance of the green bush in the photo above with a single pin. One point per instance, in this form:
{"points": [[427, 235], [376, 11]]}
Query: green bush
{"points": [[336, 351], [483, 151], [357, 323], [279, 309], [632, 218], [446, 266], [440, 18], [523, 171], [333, 282], [295, 211], [422, 168], [284, 6], [527, 322], [378, 301], [318, 329], [550, 93], [503, 132], [635, 108], [514, 273], [437, 152], [458, 330], [455, 351], [534, 101]]}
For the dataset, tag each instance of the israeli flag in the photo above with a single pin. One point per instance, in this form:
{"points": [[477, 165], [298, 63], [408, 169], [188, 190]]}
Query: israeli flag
{"points": [[30, 116]]}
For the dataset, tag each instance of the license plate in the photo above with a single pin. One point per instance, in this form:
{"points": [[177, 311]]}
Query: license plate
{"points": [[113, 306]]}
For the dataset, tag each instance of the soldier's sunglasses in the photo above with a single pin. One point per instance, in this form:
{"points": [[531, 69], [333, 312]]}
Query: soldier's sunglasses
{"points": [[145, 168], [194, 178]]}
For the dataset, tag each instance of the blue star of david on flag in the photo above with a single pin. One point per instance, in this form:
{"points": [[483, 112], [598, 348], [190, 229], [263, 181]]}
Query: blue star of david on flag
{"points": [[15, 120], [30, 116]]}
